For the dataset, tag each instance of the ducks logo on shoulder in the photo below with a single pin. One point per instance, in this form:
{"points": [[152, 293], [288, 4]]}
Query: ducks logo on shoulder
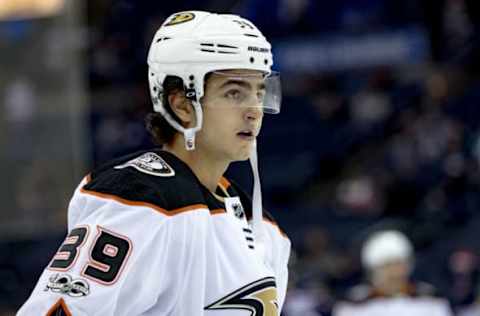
{"points": [[149, 163]]}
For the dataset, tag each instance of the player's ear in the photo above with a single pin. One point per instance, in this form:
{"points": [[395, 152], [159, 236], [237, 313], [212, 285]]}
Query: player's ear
{"points": [[182, 107]]}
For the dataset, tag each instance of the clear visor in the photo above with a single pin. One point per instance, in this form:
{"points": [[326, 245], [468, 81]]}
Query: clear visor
{"points": [[244, 88]]}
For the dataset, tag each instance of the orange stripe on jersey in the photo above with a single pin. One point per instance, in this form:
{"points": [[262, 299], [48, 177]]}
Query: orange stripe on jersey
{"points": [[276, 226], [58, 308], [187, 208], [218, 211], [145, 204], [224, 183]]}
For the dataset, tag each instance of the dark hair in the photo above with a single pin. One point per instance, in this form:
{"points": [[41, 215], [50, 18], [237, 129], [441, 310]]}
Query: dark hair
{"points": [[162, 132]]}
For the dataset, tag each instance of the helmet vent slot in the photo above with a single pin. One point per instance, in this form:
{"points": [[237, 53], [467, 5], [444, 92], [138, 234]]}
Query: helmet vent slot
{"points": [[218, 48], [226, 46], [163, 39]]}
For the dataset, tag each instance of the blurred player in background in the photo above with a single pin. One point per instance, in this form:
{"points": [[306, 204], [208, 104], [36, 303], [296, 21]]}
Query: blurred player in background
{"points": [[387, 257], [162, 232]]}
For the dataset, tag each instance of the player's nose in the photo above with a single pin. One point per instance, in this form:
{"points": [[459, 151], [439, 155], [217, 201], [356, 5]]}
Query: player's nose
{"points": [[253, 113]]}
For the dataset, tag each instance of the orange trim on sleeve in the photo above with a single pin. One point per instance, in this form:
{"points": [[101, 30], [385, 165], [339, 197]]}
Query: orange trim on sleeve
{"points": [[145, 204], [59, 304], [277, 227]]}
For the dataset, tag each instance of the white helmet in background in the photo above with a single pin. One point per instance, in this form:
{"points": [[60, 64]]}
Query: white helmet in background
{"points": [[192, 44], [386, 247]]}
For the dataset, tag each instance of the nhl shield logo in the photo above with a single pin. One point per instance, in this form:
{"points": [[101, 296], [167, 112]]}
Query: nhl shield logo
{"points": [[234, 206]]}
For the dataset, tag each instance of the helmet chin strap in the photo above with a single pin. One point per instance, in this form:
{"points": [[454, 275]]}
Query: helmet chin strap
{"points": [[257, 213], [189, 136], [189, 133]]}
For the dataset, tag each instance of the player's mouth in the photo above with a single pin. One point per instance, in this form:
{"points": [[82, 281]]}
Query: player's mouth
{"points": [[247, 135]]}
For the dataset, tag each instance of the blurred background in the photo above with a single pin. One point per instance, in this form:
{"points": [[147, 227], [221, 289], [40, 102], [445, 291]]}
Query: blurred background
{"points": [[380, 128]]}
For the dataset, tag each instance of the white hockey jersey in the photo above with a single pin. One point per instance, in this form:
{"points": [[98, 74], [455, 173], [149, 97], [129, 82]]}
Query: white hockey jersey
{"points": [[145, 237], [416, 301]]}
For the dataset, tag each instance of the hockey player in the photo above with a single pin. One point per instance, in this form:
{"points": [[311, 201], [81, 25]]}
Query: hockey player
{"points": [[162, 232], [387, 257]]}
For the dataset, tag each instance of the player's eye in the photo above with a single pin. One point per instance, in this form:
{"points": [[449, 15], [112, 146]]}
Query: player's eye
{"points": [[261, 96], [235, 95]]}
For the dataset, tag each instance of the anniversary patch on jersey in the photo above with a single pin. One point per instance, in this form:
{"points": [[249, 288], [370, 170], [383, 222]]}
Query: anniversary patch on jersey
{"points": [[259, 297], [149, 163], [65, 284], [181, 17]]}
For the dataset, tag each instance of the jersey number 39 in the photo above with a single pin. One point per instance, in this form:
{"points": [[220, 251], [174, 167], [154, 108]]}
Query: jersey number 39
{"points": [[108, 254]]}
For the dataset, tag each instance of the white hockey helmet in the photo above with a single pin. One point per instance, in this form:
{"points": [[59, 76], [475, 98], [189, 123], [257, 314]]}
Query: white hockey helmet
{"points": [[192, 44], [384, 247]]}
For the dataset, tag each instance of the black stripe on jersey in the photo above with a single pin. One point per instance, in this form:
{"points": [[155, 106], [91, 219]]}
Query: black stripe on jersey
{"points": [[222, 188], [235, 190], [219, 192], [246, 200], [167, 193], [212, 202]]}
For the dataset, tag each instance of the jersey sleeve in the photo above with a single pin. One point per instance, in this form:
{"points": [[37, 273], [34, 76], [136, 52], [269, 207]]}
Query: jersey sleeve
{"points": [[122, 258]]}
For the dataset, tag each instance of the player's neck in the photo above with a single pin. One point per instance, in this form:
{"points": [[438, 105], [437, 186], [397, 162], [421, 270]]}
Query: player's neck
{"points": [[207, 168]]}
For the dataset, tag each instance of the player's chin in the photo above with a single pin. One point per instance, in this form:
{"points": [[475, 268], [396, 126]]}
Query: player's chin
{"points": [[242, 154], [243, 158]]}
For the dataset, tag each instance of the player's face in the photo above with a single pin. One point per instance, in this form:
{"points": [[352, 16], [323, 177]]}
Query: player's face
{"points": [[392, 277], [233, 113]]}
